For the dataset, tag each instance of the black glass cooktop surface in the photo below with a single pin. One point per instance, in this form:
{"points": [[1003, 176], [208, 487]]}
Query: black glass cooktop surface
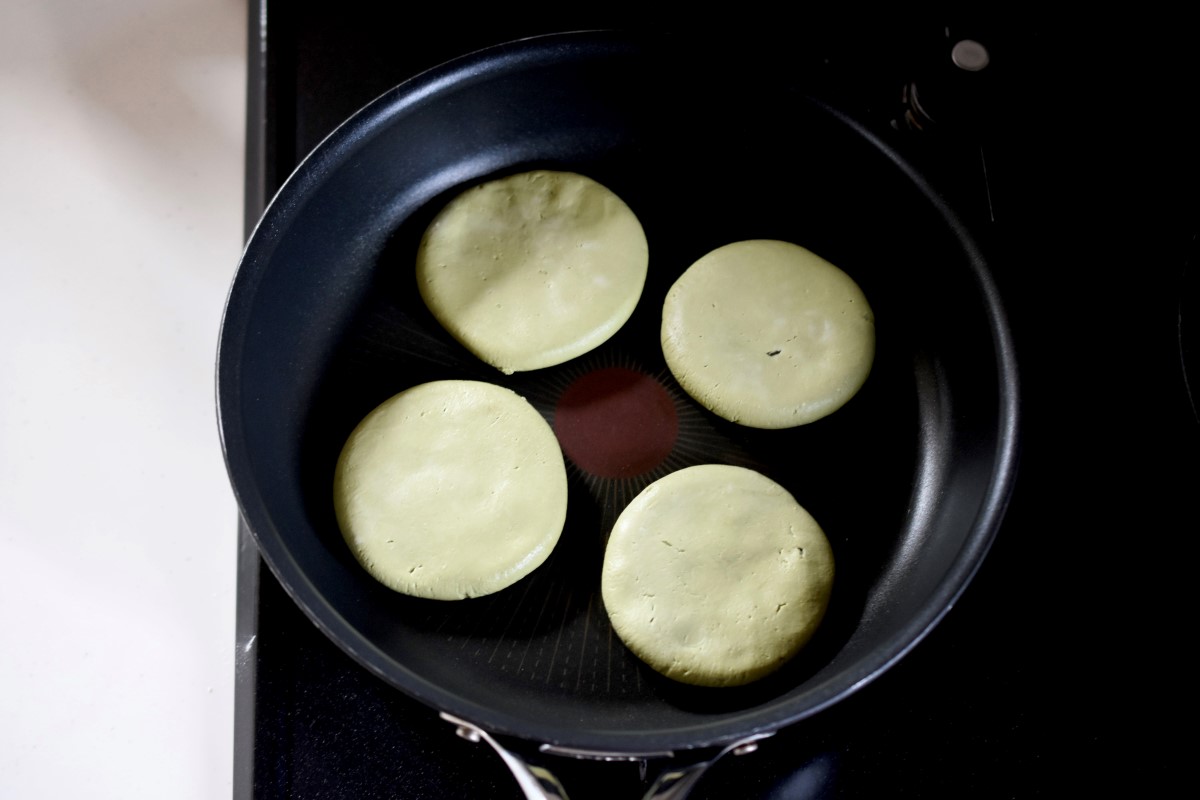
{"points": [[1071, 153]]}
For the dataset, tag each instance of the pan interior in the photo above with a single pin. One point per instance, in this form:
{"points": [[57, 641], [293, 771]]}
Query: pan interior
{"points": [[324, 322]]}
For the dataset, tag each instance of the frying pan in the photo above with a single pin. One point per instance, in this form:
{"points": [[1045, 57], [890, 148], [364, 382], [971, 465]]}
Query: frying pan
{"points": [[323, 322]]}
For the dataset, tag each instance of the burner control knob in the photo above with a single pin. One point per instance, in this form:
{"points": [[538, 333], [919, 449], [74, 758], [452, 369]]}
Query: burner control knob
{"points": [[950, 91], [970, 55]]}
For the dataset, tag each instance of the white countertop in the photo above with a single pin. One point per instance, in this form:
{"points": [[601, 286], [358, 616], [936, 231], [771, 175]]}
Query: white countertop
{"points": [[121, 145]]}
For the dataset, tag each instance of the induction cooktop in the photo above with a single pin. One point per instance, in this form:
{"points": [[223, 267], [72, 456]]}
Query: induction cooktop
{"points": [[1071, 151]]}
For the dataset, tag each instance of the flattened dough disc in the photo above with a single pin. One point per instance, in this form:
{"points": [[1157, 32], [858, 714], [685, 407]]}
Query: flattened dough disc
{"points": [[768, 334], [451, 489], [534, 269], [715, 576]]}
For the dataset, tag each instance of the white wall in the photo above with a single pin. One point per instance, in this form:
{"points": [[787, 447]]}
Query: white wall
{"points": [[121, 142]]}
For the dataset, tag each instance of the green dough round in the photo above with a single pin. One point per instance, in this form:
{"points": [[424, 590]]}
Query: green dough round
{"points": [[534, 269], [451, 489], [715, 576], [768, 334]]}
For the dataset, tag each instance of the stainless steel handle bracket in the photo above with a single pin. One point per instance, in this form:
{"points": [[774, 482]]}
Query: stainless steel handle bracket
{"points": [[535, 782], [538, 783]]}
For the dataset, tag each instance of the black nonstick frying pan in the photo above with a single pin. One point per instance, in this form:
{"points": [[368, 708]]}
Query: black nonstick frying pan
{"points": [[909, 480]]}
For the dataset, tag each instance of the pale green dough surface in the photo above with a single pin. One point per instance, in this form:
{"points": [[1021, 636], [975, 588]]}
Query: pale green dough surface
{"points": [[715, 576], [534, 269], [768, 334], [451, 489]]}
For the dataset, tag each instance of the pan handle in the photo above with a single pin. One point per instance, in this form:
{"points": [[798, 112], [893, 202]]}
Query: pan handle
{"points": [[538, 783], [535, 782], [676, 783]]}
